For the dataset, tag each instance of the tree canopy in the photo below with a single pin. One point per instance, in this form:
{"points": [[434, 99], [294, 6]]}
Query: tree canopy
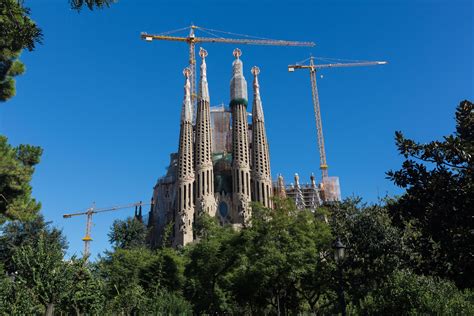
{"points": [[17, 32], [90, 4], [436, 209], [128, 234], [17, 165]]}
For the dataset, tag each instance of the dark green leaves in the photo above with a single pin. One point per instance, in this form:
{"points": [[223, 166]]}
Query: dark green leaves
{"points": [[439, 199], [90, 4], [16, 170], [17, 32]]}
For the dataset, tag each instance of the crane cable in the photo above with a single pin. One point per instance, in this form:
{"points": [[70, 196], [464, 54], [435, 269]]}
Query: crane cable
{"points": [[234, 34]]}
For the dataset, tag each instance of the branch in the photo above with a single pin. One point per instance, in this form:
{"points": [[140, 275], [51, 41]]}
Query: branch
{"points": [[438, 163]]}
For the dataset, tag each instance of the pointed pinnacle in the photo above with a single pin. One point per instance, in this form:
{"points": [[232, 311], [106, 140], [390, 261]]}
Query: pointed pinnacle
{"points": [[257, 111], [186, 112], [202, 53], [203, 86], [237, 53], [238, 85]]}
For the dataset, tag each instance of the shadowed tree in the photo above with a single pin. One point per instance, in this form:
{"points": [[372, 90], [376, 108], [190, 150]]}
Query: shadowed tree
{"points": [[17, 234], [436, 210], [16, 170], [40, 267], [128, 234], [17, 32], [90, 4]]}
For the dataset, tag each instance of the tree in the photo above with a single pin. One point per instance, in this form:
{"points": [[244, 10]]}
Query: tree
{"points": [[282, 261], [121, 270], [128, 234], [85, 295], [17, 32], [436, 210], [16, 234], [15, 297], [209, 261], [91, 4], [407, 293], [273, 266], [374, 246], [41, 268], [163, 272], [16, 170]]}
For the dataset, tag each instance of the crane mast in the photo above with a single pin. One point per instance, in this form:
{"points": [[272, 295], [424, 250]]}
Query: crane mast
{"points": [[319, 124], [90, 212], [316, 106], [192, 39]]}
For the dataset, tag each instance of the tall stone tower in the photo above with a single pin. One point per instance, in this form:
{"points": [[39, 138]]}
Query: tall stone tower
{"points": [[184, 211], [205, 200], [240, 145], [261, 175]]}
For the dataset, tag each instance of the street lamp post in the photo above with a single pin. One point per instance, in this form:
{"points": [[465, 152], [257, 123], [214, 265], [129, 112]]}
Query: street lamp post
{"points": [[339, 253]]}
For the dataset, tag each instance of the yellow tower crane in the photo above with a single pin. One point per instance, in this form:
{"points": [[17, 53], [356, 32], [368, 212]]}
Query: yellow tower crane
{"points": [[317, 110], [93, 210], [192, 40]]}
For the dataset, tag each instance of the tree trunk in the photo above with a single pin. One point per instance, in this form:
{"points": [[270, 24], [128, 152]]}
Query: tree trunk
{"points": [[50, 309]]}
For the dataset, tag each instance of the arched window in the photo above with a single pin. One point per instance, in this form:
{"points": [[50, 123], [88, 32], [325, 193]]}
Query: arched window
{"points": [[223, 209]]}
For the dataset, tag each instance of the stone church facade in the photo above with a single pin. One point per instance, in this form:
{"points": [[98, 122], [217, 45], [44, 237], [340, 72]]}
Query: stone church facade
{"points": [[222, 164]]}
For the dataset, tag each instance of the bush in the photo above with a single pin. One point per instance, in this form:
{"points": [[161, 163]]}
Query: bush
{"points": [[406, 293]]}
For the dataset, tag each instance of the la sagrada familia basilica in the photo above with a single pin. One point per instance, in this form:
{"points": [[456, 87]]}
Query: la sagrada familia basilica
{"points": [[223, 163]]}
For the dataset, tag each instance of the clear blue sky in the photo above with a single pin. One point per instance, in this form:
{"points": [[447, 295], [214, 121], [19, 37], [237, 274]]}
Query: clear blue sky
{"points": [[105, 105]]}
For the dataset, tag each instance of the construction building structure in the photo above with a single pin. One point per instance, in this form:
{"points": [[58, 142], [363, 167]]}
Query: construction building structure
{"points": [[222, 164]]}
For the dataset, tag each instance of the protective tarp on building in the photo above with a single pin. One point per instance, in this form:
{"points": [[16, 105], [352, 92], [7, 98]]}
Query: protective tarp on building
{"points": [[331, 189], [222, 172], [221, 131]]}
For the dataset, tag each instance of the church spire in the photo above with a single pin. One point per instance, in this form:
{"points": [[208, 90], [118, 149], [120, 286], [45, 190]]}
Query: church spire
{"points": [[261, 175], [204, 186], [315, 200], [257, 110], [203, 87], [238, 84], [184, 215], [187, 110], [240, 143], [280, 190], [299, 199]]}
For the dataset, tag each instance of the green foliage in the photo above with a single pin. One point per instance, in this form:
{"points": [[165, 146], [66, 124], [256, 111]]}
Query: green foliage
{"points": [[284, 260], [276, 264], [90, 4], [168, 303], [209, 261], [436, 210], [17, 32], [16, 234], [16, 170], [128, 234], [374, 245], [16, 298], [139, 280], [406, 293], [40, 267], [164, 271], [85, 294]]}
